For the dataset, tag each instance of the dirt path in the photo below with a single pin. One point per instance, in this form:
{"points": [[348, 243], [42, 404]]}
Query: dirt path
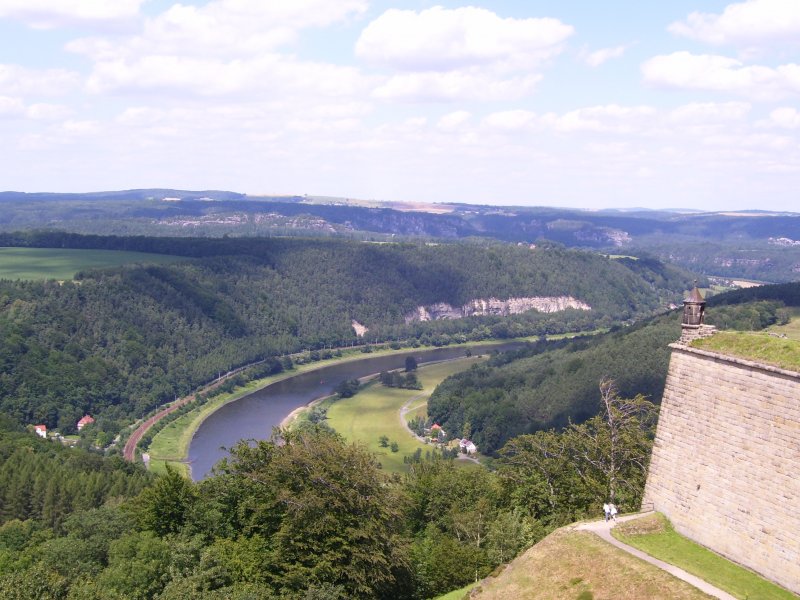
{"points": [[603, 529], [404, 411]]}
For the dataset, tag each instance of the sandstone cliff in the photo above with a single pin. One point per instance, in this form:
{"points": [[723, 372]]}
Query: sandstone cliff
{"points": [[494, 306]]}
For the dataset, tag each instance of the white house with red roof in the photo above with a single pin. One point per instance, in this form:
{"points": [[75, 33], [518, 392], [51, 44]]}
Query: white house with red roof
{"points": [[85, 420], [41, 430]]}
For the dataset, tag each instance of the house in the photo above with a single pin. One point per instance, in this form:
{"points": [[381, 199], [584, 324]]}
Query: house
{"points": [[468, 446], [85, 420], [41, 430]]}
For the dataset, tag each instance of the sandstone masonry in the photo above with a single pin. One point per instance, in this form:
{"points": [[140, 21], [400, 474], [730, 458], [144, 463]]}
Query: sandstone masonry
{"points": [[726, 460]]}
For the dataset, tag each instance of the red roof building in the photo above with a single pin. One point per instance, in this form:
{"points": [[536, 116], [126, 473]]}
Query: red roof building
{"points": [[85, 420], [41, 430]]}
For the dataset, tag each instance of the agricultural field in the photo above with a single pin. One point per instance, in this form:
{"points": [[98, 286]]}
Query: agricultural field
{"points": [[62, 264], [375, 411]]}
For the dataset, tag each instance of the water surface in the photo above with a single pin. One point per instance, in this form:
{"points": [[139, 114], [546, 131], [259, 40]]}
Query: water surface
{"points": [[255, 415]]}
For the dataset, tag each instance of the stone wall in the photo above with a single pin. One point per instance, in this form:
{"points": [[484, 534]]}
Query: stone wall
{"points": [[726, 461]]}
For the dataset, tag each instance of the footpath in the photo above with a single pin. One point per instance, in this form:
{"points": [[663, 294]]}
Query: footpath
{"points": [[603, 529]]}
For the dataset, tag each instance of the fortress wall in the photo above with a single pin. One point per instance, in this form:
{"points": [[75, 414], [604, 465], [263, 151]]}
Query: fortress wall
{"points": [[726, 460]]}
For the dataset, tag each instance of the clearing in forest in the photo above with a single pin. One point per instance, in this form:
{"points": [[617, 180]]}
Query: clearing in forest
{"points": [[375, 411], [62, 263]]}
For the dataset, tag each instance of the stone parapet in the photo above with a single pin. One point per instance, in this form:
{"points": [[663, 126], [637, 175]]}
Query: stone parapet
{"points": [[726, 458]]}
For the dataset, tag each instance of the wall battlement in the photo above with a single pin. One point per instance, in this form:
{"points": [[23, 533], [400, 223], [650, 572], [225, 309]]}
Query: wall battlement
{"points": [[726, 460]]}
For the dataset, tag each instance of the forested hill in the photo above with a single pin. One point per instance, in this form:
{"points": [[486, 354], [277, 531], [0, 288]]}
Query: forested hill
{"points": [[119, 341], [550, 384]]}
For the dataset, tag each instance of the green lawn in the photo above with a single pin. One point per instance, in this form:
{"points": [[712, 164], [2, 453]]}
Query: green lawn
{"points": [[792, 329], [375, 411], [62, 264], [655, 536], [457, 594], [755, 346]]}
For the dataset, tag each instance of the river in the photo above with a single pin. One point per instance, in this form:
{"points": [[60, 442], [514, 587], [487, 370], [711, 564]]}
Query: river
{"points": [[255, 415]]}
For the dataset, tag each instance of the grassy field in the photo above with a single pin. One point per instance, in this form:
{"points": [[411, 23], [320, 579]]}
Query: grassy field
{"points": [[654, 534], [792, 329], [759, 346], [457, 594], [578, 565], [375, 411], [62, 264]]}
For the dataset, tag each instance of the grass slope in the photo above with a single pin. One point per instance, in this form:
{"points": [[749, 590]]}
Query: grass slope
{"points": [[655, 536], [375, 411], [62, 264], [780, 352], [578, 565]]}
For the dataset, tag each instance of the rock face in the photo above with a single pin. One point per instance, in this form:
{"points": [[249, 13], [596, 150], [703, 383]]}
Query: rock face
{"points": [[494, 306], [725, 460]]}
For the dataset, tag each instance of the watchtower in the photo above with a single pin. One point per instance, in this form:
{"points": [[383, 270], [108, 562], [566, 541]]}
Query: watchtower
{"points": [[694, 312]]}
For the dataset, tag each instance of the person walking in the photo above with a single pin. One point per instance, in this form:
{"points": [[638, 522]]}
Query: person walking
{"points": [[613, 510], [607, 510]]}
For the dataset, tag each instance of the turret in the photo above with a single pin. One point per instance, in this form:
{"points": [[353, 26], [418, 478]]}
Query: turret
{"points": [[694, 312], [694, 309]]}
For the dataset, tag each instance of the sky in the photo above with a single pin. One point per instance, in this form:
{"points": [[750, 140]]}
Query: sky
{"points": [[612, 104]]}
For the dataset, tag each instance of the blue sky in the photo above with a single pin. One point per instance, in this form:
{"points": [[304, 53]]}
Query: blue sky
{"points": [[583, 104]]}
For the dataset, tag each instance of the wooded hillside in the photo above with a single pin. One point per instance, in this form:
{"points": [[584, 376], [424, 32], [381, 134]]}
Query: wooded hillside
{"points": [[117, 342]]}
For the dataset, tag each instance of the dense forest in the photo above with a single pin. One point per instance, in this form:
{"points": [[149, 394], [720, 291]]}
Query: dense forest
{"points": [[117, 342], [553, 383], [309, 516]]}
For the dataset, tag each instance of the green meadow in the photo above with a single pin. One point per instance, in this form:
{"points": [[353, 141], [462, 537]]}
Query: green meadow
{"points": [[375, 411], [756, 346], [62, 264], [654, 535]]}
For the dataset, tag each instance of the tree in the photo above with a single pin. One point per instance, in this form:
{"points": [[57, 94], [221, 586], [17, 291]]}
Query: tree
{"points": [[563, 476], [615, 445], [325, 509], [163, 507], [384, 441], [411, 364]]}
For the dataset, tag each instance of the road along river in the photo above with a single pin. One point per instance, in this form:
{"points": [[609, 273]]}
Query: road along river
{"points": [[255, 415]]}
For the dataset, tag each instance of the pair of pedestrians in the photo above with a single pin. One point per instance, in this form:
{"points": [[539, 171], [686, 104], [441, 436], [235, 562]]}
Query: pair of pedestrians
{"points": [[610, 511]]}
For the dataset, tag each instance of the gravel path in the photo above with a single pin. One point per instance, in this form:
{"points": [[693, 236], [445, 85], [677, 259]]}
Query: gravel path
{"points": [[603, 529]]}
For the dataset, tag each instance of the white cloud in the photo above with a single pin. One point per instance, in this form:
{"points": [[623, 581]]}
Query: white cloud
{"points": [[50, 14], [47, 112], [438, 39], [454, 86], [511, 120], [786, 117], [221, 29], [751, 23], [609, 118], [454, 120], [598, 57], [683, 70], [47, 82], [223, 47], [280, 75], [709, 112], [11, 107]]}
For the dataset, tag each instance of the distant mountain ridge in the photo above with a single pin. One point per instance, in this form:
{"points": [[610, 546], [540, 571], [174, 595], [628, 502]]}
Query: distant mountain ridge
{"points": [[751, 244]]}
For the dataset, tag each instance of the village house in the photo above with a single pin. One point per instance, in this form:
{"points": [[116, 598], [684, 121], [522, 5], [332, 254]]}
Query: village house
{"points": [[468, 446], [41, 430], [85, 420]]}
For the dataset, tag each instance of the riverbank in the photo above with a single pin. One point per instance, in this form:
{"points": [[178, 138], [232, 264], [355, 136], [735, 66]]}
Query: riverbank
{"points": [[171, 444]]}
